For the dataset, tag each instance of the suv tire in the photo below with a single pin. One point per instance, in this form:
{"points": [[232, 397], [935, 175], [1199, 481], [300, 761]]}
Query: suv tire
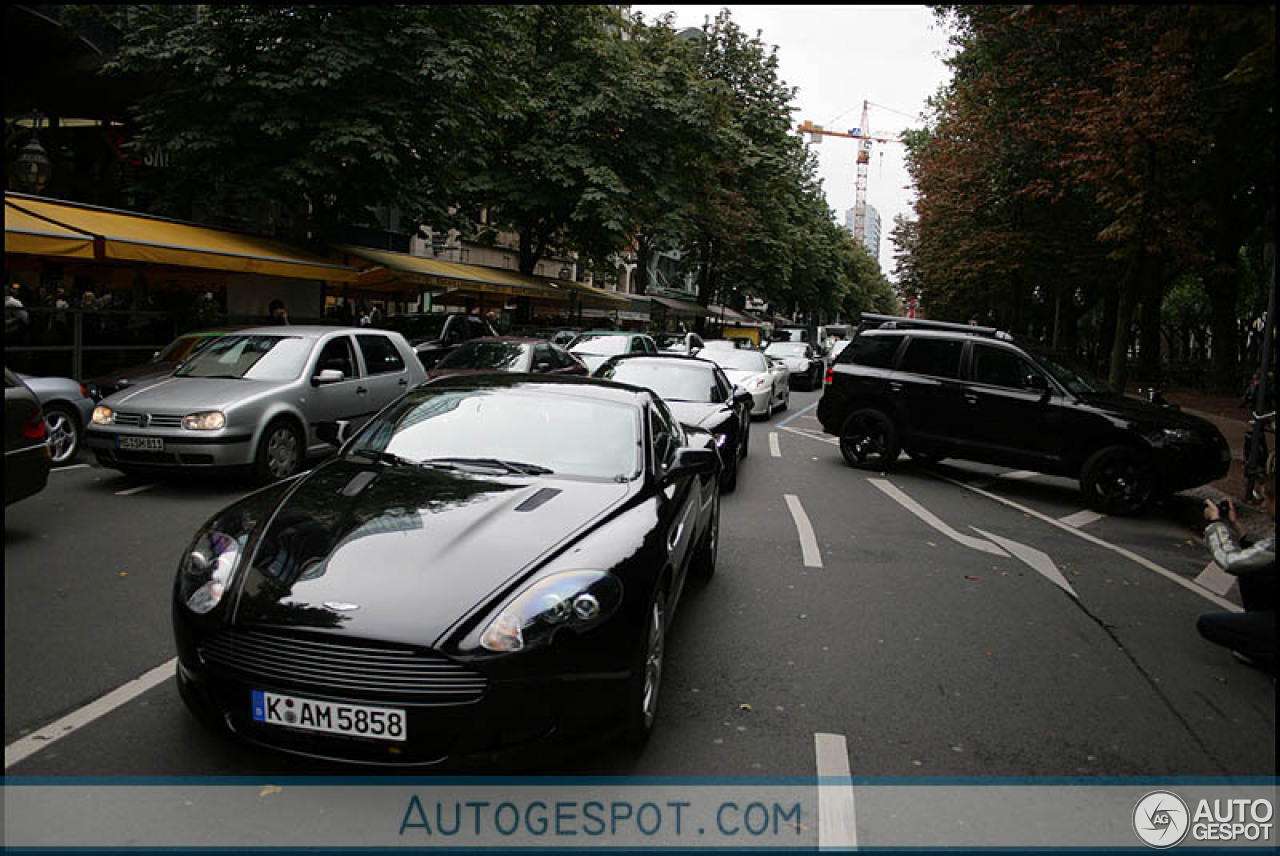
{"points": [[1116, 480], [869, 440]]}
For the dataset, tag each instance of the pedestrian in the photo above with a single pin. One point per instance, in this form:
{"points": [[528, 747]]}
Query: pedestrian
{"points": [[1249, 635], [279, 315]]}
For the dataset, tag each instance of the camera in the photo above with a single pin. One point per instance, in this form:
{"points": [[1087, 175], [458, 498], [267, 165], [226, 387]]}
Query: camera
{"points": [[1224, 507]]}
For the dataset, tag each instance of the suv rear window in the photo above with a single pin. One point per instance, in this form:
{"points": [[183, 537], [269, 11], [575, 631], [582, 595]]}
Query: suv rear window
{"points": [[932, 357], [874, 352]]}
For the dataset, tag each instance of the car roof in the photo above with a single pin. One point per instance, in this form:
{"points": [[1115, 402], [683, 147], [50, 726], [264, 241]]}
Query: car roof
{"points": [[666, 356], [517, 340], [307, 331]]}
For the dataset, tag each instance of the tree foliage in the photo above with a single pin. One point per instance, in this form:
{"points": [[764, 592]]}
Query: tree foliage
{"points": [[1096, 152]]}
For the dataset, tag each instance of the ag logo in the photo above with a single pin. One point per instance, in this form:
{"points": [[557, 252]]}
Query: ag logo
{"points": [[1161, 819]]}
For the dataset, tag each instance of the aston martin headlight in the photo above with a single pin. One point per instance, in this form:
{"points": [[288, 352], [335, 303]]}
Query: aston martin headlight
{"points": [[103, 415], [206, 570], [210, 421], [574, 599], [758, 383]]}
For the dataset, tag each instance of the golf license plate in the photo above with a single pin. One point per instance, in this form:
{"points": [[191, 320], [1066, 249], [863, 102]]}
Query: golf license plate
{"points": [[350, 720], [146, 444]]}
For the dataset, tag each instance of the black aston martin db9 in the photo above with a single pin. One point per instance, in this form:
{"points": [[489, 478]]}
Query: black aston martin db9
{"points": [[699, 395], [490, 560]]}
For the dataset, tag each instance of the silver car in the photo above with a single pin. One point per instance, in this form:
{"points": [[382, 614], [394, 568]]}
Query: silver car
{"points": [[67, 409], [253, 400], [768, 381]]}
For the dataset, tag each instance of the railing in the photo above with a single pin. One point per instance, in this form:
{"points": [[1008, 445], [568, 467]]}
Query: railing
{"points": [[83, 343]]}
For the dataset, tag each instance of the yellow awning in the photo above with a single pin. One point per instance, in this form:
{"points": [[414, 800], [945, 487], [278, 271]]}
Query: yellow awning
{"points": [[452, 276], [594, 295], [43, 227]]}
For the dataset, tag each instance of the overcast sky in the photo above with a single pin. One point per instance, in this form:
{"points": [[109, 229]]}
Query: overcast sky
{"points": [[837, 57]]}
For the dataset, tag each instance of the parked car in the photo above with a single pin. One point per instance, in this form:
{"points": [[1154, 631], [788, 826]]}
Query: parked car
{"points": [[26, 447], [509, 354], [491, 560], [252, 400], [67, 410], [161, 364], [434, 335], [768, 382], [699, 394], [688, 344], [805, 364], [942, 390], [596, 346]]}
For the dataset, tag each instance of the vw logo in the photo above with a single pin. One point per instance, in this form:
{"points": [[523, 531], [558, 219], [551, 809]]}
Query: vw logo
{"points": [[144, 421]]}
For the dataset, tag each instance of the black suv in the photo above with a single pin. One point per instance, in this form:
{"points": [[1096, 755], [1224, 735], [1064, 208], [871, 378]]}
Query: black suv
{"points": [[940, 390]]}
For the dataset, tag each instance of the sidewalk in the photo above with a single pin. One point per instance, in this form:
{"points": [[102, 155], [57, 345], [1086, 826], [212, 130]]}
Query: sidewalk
{"points": [[1232, 420]]}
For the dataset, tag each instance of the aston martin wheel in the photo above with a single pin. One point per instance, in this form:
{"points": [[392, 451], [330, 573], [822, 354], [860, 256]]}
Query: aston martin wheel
{"points": [[646, 677], [869, 440], [280, 452]]}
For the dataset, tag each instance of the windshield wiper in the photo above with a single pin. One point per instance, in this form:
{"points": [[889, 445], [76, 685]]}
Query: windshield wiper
{"points": [[385, 457], [493, 463]]}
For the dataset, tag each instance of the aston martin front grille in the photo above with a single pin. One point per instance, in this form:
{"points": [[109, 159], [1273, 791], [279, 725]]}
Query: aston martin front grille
{"points": [[391, 673]]}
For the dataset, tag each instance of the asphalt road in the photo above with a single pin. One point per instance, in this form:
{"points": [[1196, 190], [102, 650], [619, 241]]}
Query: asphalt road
{"points": [[945, 621]]}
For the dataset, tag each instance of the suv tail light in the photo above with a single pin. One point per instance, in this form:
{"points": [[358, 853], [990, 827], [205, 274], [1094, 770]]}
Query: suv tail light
{"points": [[831, 375], [34, 428]]}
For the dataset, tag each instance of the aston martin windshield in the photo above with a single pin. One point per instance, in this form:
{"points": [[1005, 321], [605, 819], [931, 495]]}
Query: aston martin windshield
{"points": [[516, 431], [250, 357], [668, 378], [741, 361], [786, 349]]}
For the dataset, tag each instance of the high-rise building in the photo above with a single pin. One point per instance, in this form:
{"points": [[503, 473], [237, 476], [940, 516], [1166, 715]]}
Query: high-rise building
{"points": [[871, 238]]}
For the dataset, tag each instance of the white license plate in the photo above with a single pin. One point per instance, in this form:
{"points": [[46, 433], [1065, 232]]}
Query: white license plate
{"points": [[148, 444], [351, 720]]}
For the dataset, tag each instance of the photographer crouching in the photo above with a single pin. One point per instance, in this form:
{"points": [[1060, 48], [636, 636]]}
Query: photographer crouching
{"points": [[1249, 635]]}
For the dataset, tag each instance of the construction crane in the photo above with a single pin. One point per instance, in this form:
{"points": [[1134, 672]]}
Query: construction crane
{"points": [[863, 134]]}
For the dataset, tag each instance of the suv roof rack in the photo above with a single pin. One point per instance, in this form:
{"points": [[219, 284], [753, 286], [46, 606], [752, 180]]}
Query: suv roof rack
{"points": [[896, 322]]}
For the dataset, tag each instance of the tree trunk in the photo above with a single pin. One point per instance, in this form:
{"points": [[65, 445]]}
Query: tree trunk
{"points": [[644, 251], [1149, 327]]}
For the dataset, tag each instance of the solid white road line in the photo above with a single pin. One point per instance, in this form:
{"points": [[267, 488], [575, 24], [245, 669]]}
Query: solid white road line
{"points": [[924, 514], [811, 435], [69, 467], [1081, 518], [774, 449], [131, 491], [808, 543], [1128, 554], [837, 820], [33, 743]]}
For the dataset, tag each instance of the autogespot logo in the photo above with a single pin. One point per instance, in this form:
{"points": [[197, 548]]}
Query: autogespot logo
{"points": [[1160, 819]]}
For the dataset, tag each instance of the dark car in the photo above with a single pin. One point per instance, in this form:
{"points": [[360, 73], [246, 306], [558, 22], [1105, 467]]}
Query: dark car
{"points": [[434, 335], [939, 390], [509, 354], [699, 395], [491, 560], [161, 364], [26, 448]]}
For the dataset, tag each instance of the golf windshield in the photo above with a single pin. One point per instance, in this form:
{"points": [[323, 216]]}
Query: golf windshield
{"points": [[250, 358]]}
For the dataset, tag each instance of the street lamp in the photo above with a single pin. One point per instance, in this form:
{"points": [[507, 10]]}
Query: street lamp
{"points": [[31, 170]]}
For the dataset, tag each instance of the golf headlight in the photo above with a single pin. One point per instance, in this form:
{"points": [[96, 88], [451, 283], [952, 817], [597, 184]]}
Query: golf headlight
{"points": [[577, 600], [1173, 436], [210, 421], [104, 416], [207, 568]]}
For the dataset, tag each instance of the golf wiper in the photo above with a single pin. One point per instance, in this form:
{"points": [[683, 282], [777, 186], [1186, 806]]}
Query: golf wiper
{"points": [[493, 463]]}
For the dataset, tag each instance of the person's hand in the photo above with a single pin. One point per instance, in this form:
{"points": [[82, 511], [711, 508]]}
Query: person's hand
{"points": [[1211, 513]]}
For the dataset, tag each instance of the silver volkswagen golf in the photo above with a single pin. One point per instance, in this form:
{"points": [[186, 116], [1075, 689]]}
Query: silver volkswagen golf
{"points": [[253, 399]]}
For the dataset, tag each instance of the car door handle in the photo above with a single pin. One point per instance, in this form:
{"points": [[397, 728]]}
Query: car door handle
{"points": [[360, 390], [895, 387], [403, 381], [971, 398]]}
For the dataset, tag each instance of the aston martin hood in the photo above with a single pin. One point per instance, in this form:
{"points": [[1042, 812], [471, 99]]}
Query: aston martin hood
{"points": [[695, 414], [400, 552]]}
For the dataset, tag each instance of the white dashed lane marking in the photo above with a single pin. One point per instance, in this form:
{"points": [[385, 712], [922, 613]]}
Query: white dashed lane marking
{"points": [[808, 543]]}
